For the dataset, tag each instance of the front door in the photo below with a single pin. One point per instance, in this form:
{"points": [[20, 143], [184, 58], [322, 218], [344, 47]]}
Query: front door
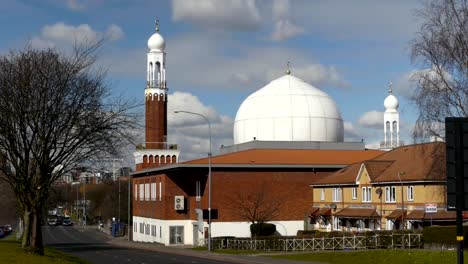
{"points": [[195, 234]]}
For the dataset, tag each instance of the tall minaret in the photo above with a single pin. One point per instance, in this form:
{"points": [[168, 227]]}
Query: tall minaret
{"points": [[391, 121], [156, 151]]}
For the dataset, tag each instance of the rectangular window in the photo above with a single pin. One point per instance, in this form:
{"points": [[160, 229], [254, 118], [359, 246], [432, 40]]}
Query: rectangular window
{"points": [[410, 193], [336, 192], [322, 194], [135, 191], [147, 191], [354, 193], [160, 231], [160, 191], [153, 191], [142, 227], [366, 194], [390, 194], [142, 192]]}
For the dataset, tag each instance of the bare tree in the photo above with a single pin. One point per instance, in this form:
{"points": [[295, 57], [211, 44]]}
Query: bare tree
{"points": [[257, 205], [441, 47], [55, 111]]}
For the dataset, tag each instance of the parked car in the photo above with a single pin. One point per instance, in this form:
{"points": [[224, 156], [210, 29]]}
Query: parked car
{"points": [[52, 220], [2, 234], [7, 229], [67, 221]]}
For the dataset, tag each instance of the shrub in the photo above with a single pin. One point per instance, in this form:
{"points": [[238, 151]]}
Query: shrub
{"points": [[262, 229], [443, 235]]}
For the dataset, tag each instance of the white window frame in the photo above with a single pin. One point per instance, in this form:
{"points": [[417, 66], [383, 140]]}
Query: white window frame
{"points": [[336, 194], [366, 194], [135, 190], [322, 194], [153, 191], [142, 192], [410, 193], [160, 191], [390, 194], [354, 193], [147, 191]]}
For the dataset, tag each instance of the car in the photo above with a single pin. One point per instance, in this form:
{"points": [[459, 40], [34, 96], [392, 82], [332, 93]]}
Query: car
{"points": [[52, 220], [7, 229], [2, 234], [67, 221]]}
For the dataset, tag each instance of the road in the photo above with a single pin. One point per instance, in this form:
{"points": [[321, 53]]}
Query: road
{"points": [[94, 247]]}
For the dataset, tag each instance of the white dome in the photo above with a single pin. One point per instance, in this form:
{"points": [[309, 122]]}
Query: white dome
{"points": [[288, 109], [391, 103], [156, 42]]}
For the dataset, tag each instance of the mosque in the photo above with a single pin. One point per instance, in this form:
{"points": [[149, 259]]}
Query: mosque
{"points": [[287, 135]]}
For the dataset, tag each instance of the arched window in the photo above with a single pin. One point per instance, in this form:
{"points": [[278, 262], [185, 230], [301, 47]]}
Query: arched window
{"points": [[151, 75], [150, 159], [394, 132], [156, 160], [145, 161], [174, 159], [387, 131], [168, 159], [158, 74]]}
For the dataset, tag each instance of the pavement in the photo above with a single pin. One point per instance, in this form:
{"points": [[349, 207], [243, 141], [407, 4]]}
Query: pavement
{"points": [[188, 251]]}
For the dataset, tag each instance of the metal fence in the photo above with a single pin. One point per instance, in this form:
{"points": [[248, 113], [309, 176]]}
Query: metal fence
{"points": [[310, 244]]}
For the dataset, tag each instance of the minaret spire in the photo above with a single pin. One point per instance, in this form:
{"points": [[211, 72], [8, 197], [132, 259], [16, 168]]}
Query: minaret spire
{"points": [[156, 25], [288, 68], [390, 85]]}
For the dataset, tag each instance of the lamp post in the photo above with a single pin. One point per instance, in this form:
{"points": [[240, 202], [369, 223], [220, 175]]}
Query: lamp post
{"points": [[209, 172], [402, 200]]}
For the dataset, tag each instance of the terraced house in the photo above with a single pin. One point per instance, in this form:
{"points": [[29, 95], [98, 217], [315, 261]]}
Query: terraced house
{"points": [[402, 188]]}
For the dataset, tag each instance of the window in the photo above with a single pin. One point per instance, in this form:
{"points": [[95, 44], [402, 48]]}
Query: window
{"points": [[197, 191], [366, 194], [354, 193], [390, 194], [135, 191], [160, 191], [142, 227], [142, 192], [153, 191], [147, 191], [336, 194], [410, 193], [322, 194], [160, 231]]}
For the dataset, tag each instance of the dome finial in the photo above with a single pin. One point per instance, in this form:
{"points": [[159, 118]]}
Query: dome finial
{"points": [[390, 84], [156, 25], [288, 68]]}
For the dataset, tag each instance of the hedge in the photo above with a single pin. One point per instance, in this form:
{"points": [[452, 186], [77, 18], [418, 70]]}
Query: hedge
{"points": [[443, 235], [262, 229]]}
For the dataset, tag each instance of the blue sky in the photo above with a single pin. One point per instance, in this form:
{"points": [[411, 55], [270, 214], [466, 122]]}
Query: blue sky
{"points": [[220, 51]]}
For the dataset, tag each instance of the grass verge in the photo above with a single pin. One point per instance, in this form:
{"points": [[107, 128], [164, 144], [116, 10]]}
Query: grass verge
{"points": [[11, 252], [378, 256]]}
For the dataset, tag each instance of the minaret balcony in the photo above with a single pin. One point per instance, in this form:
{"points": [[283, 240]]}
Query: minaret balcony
{"points": [[156, 84], [390, 145], [161, 145]]}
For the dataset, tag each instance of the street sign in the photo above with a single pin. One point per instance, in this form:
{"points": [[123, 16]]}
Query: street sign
{"points": [[431, 208]]}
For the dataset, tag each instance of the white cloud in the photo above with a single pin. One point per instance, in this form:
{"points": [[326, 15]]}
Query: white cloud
{"points": [[61, 33], [190, 131], [351, 133], [75, 5], [239, 15], [284, 27], [371, 119]]}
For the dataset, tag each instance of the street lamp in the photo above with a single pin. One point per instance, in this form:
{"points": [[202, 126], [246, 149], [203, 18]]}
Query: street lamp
{"points": [[402, 201], [209, 173]]}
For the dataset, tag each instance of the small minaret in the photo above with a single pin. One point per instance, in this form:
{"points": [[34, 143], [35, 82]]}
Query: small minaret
{"points": [[391, 121], [156, 151]]}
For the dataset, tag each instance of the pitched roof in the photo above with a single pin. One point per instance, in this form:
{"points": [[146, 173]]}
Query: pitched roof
{"points": [[291, 157], [419, 162], [357, 213]]}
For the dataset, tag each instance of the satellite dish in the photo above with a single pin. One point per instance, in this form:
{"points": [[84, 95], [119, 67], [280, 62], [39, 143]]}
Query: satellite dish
{"points": [[333, 206], [378, 191]]}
